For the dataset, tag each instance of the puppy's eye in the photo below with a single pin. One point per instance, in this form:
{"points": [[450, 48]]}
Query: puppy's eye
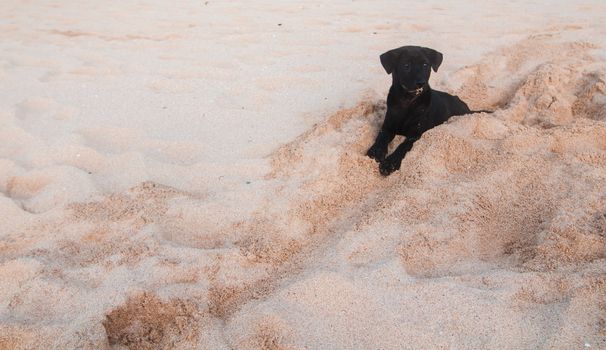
{"points": [[425, 65], [406, 65]]}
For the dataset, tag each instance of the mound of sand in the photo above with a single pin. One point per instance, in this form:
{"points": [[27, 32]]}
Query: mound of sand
{"points": [[492, 234]]}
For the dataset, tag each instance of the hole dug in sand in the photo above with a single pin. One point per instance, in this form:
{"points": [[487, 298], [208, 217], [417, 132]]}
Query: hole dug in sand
{"points": [[147, 322]]}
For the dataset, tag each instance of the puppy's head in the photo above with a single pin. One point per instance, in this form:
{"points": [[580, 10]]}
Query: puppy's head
{"points": [[410, 66]]}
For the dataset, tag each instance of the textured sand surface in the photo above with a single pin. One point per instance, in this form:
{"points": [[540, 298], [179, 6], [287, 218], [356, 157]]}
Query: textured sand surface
{"points": [[193, 176]]}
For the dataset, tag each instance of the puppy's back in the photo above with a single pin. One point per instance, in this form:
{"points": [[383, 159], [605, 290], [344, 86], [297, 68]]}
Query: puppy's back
{"points": [[448, 105]]}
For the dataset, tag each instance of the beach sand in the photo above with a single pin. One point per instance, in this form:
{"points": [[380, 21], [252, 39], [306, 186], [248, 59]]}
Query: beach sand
{"points": [[193, 175]]}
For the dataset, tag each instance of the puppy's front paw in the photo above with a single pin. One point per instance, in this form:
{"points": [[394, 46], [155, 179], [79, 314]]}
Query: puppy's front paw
{"points": [[388, 166], [377, 153]]}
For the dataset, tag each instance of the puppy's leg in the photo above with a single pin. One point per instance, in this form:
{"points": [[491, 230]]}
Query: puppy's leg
{"points": [[393, 162], [379, 149]]}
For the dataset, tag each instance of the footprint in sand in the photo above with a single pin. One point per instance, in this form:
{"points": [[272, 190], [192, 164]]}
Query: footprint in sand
{"points": [[43, 189], [36, 108]]}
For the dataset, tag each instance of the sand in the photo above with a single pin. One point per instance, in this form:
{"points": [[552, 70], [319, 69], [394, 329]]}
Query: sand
{"points": [[178, 176]]}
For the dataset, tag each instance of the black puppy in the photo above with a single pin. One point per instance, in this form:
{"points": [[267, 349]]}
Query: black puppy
{"points": [[412, 106]]}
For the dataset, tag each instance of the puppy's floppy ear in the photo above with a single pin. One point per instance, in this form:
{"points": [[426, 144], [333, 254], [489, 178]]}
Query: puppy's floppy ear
{"points": [[435, 58], [389, 60]]}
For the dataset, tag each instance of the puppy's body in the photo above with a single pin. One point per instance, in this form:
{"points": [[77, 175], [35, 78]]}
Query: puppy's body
{"points": [[410, 117], [412, 106]]}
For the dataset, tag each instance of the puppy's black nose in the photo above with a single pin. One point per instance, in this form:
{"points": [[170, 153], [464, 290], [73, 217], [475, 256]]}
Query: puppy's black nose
{"points": [[419, 84]]}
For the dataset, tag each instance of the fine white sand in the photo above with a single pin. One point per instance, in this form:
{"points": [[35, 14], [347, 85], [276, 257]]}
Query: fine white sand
{"points": [[192, 175]]}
